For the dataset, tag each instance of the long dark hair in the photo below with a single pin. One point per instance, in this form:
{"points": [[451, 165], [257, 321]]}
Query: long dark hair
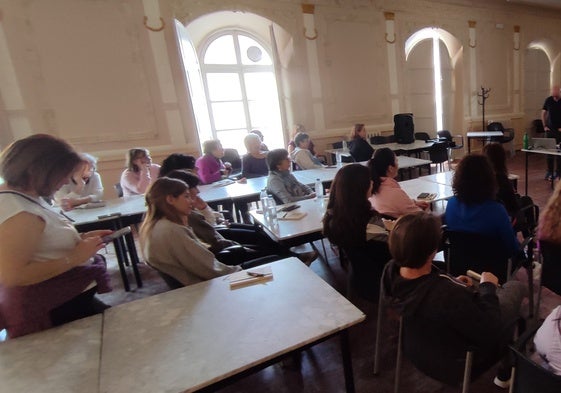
{"points": [[497, 156], [348, 209], [379, 163], [474, 181]]}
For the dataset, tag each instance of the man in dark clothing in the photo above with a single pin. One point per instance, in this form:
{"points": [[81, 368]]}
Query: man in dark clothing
{"points": [[444, 316], [551, 119]]}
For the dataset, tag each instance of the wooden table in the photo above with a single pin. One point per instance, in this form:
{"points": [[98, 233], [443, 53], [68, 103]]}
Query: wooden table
{"points": [[481, 135], [547, 152], [206, 335], [64, 359]]}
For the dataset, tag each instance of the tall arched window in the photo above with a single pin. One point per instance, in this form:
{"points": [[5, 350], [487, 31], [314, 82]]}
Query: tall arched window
{"points": [[241, 89]]}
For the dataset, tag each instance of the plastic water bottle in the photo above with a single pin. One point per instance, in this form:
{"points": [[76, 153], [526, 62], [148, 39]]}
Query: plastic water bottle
{"points": [[272, 210], [319, 188], [525, 141], [345, 146], [338, 158], [264, 198]]}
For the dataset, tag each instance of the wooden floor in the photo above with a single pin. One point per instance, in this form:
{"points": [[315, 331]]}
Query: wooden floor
{"points": [[320, 369]]}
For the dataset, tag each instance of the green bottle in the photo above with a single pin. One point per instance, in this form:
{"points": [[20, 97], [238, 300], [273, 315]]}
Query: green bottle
{"points": [[525, 141]]}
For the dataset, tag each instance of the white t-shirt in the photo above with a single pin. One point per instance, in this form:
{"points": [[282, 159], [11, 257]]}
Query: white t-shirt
{"points": [[548, 340], [59, 236]]}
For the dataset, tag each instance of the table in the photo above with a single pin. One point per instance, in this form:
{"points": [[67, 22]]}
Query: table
{"points": [[205, 336], [64, 359], [414, 147], [549, 152], [117, 213], [295, 232], [483, 135], [414, 187]]}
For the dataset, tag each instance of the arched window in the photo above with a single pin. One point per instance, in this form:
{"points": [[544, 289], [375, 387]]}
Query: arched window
{"points": [[241, 89]]}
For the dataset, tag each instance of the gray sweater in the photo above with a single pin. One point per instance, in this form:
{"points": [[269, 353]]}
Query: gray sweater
{"points": [[175, 250], [285, 187]]}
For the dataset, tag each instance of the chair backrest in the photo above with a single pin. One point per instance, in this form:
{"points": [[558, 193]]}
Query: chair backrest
{"points": [[527, 216], [551, 266], [495, 126], [337, 145], [438, 152], [444, 134], [233, 157], [378, 140], [537, 126], [118, 190], [508, 135], [530, 377], [422, 136], [473, 251]]}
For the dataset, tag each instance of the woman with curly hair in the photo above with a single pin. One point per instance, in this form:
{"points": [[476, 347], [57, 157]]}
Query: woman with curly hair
{"points": [[549, 226], [473, 207]]}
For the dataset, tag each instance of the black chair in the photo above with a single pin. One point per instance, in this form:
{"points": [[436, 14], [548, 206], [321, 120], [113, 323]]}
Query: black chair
{"points": [[465, 251], [118, 190], [339, 145], [379, 140], [551, 266], [170, 281], [422, 136], [233, 157], [455, 142], [409, 338], [530, 377], [438, 154], [537, 126], [495, 126]]}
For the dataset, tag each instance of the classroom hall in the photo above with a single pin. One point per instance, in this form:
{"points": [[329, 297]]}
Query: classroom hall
{"points": [[167, 75]]}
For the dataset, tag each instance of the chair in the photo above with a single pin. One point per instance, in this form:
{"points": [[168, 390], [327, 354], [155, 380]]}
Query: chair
{"points": [[379, 140], [233, 157], [422, 136], [473, 251], [530, 377], [438, 154], [551, 268], [537, 126], [405, 338], [455, 142], [170, 281], [508, 137], [495, 126], [118, 190], [339, 145]]}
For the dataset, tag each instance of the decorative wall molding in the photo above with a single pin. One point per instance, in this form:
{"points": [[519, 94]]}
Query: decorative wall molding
{"points": [[308, 8], [311, 37], [156, 29], [389, 16]]}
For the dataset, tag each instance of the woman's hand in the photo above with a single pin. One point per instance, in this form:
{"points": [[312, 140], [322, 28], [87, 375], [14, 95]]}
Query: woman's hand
{"points": [[489, 277], [422, 204], [466, 280], [85, 249], [198, 203], [98, 233]]}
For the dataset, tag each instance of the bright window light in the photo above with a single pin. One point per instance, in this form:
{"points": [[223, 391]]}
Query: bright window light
{"points": [[437, 79]]}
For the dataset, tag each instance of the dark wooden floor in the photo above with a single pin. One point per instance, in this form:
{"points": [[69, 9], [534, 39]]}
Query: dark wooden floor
{"points": [[320, 369]]}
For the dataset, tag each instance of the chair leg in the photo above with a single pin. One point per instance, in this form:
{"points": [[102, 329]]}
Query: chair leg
{"points": [[467, 372], [398, 358], [378, 332]]}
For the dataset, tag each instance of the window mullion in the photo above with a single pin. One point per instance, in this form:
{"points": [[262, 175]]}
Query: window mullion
{"points": [[240, 71]]}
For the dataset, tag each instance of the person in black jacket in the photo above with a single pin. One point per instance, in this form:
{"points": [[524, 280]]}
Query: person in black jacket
{"points": [[445, 316], [359, 147], [505, 194]]}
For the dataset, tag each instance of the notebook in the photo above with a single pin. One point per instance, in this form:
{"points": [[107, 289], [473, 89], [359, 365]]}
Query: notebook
{"points": [[544, 143], [291, 215], [252, 276]]}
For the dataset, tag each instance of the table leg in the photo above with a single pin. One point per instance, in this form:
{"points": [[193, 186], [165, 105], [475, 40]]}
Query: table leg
{"points": [[129, 239], [469, 144], [347, 361], [526, 176]]}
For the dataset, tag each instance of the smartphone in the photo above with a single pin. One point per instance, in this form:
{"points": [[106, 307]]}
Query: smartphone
{"points": [[116, 234], [289, 208], [423, 195]]}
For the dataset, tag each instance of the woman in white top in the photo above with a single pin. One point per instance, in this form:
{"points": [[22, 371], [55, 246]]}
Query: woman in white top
{"points": [[548, 340], [388, 198], [43, 259], [84, 186], [140, 172]]}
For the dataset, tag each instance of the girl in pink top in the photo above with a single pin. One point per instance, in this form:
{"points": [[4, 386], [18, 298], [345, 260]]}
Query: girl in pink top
{"points": [[387, 196], [140, 172]]}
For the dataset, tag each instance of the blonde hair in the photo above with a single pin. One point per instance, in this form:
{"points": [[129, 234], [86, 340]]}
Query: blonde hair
{"points": [[157, 205], [549, 226]]}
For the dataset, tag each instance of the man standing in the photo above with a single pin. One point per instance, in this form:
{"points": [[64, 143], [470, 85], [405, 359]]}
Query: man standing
{"points": [[551, 119]]}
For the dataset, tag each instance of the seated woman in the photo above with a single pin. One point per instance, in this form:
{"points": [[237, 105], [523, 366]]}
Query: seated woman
{"points": [[387, 196], [48, 271], [344, 224], [548, 340], [263, 146], [254, 163], [442, 316], [473, 207], [178, 161], [359, 147], [210, 166], [549, 225], [505, 194], [298, 128], [140, 172], [281, 183], [168, 242], [301, 155], [84, 187]]}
